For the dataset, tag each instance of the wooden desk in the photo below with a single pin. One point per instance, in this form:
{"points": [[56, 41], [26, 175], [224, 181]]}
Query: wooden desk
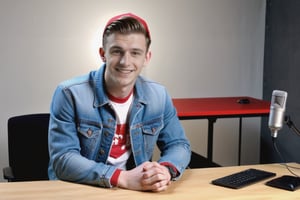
{"points": [[194, 184], [220, 107]]}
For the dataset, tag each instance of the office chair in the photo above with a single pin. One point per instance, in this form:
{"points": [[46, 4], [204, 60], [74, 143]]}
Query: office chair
{"points": [[198, 161], [27, 148]]}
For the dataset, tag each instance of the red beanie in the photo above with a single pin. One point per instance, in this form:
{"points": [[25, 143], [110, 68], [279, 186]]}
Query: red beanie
{"points": [[142, 21]]}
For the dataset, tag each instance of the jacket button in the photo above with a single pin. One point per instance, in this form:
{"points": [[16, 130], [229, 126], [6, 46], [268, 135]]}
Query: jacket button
{"points": [[106, 134], [102, 152], [89, 132]]}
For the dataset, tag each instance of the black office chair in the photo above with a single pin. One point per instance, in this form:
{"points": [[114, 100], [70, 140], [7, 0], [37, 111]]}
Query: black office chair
{"points": [[27, 148], [198, 161]]}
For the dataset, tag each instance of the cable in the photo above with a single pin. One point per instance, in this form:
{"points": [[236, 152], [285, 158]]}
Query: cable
{"points": [[283, 159], [291, 125]]}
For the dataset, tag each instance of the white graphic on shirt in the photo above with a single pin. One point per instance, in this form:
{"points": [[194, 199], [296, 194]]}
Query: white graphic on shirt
{"points": [[120, 150]]}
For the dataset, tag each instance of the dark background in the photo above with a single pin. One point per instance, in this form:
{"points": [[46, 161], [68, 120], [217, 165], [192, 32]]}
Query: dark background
{"points": [[282, 72]]}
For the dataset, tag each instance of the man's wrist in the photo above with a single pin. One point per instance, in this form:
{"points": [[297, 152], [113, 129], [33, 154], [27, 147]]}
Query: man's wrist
{"points": [[172, 170]]}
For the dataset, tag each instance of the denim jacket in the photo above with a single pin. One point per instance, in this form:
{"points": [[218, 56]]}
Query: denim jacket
{"points": [[82, 127]]}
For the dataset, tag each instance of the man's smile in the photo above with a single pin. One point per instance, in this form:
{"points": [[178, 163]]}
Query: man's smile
{"points": [[124, 70]]}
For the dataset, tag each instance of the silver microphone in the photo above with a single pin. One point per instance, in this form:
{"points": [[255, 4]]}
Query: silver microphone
{"points": [[277, 111]]}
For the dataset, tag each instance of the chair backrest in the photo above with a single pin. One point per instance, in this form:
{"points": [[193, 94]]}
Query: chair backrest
{"points": [[28, 146]]}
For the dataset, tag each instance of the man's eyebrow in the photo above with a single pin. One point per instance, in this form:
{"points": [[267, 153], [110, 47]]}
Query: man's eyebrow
{"points": [[138, 49], [116, 47], [120, 48]]}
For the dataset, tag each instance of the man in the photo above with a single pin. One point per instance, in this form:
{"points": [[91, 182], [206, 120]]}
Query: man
{"points": [[104, 125]]}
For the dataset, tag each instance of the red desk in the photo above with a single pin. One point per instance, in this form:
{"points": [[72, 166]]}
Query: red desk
{"points": [[220, 107]]}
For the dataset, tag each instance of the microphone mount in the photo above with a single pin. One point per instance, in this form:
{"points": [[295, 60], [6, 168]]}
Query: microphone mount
{"points": [[291, 125]]}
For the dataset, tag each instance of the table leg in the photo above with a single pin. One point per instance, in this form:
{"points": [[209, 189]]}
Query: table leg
{"points": [[210, 138], [240, 141]]}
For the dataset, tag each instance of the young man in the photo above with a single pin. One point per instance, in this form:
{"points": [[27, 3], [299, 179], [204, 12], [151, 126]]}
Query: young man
{"points": [[104, 125]]}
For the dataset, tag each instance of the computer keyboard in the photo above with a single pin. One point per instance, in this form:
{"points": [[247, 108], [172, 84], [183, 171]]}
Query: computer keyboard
{"points": [[243, 178]]}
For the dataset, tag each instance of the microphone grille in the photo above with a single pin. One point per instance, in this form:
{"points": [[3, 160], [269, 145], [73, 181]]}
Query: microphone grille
{"points": [[279, 98]]}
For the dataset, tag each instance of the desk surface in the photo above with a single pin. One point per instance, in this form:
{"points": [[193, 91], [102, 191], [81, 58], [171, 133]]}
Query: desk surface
{"points": [[195, 184], [220, 107]]}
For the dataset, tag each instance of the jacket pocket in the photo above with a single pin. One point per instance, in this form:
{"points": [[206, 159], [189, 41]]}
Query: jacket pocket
{"points": [[151, 130], [89, 135]]}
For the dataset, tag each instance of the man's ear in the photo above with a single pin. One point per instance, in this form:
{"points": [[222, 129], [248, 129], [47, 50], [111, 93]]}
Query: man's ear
{"points": [[102, 54], [148, 57]]}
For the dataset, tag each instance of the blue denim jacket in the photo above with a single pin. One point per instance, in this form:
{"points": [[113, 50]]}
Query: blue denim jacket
{"points": [[82, 126]]}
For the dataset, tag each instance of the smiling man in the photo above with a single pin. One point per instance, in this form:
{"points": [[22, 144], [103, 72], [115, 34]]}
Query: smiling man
{"points": [[104, 125]]}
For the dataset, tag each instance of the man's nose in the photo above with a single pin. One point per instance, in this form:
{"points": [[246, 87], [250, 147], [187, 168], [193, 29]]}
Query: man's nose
{"points": [[125, 60]]}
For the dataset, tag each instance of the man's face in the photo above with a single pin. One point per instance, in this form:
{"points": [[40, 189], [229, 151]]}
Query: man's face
{"points": [[125, 56]]}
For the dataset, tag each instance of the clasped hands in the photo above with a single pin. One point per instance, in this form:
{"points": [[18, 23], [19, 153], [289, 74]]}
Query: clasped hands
{"points": [[149, 176]]}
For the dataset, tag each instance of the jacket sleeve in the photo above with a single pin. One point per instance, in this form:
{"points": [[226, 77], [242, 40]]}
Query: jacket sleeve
{"points": [[172, 141], [66, 162]]}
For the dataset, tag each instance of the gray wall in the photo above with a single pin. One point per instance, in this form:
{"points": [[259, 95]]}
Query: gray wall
{"points": [[282, 71], [201, 48]]}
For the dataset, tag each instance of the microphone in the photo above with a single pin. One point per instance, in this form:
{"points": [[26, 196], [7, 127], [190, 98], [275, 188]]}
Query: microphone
{"points": [[277, 110]]}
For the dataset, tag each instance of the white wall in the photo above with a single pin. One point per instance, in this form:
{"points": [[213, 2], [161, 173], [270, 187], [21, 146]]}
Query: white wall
{"points": [[201, 48]]}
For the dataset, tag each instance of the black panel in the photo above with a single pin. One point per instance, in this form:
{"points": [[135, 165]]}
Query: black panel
{"points": [[282, 71]]}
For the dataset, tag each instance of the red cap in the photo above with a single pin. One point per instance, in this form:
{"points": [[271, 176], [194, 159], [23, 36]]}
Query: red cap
{"points": [[142, 21]]}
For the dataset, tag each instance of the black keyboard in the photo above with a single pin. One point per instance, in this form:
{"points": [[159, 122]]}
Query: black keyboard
{"points": [[243, 178]]}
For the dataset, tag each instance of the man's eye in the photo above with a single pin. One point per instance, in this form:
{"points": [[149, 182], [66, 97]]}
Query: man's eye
{"points": [[136, 53]]}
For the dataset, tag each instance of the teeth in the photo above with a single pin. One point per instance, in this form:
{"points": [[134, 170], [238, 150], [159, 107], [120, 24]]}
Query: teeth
{"points": [[125, 70]]}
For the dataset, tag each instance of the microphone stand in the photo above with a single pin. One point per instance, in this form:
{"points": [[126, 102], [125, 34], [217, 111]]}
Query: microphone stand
{"points": [[286, 182], [291, 125]]}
